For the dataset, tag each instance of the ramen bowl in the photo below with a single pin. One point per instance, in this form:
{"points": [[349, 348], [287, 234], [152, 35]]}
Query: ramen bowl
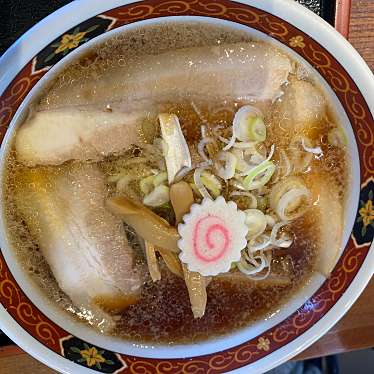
{"points": [[46, 332]]}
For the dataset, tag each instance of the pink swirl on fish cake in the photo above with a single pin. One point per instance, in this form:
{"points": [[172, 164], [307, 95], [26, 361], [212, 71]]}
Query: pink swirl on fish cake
{"points": [[211, 238]]}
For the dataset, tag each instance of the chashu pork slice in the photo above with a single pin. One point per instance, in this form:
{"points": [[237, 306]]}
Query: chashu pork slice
{"points": [[72, 126], [240, 71], [301, 110], [327, 214], [53, 137], [84, 244]]}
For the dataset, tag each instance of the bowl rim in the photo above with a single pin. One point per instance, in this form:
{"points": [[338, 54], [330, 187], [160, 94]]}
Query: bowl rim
{"points": [[24, 50]]}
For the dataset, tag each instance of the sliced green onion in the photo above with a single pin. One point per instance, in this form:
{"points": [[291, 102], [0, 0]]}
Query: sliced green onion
{"points": [[290, 198], [199, 183], [146, 184], [256, 129], [244, 145], [284, 241], [293, 204], [261, 243], [254, 264], [248, 124], [228, 170], [241, 164], [159, 196], [233, 144], [270, 220], [160, 178], [256, 222], [212, 183], [253, 200], [251, 269], [257, 158], [259, 176], [230, 144]]}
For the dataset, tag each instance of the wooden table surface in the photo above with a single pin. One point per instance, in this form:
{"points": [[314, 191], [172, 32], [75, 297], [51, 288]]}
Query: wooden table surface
{"points": [[356, 329]]}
